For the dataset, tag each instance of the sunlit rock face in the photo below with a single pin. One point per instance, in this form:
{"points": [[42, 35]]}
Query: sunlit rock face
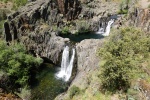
{"points": [[140, 17]]}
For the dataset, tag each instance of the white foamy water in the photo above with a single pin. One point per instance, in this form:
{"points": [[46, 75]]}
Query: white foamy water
{"points": [[66, 64], [106, 33]]}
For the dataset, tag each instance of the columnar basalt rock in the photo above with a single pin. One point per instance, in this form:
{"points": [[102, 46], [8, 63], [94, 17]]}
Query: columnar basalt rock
{"points": [[140, 18], [70, 8], [32, 25]]}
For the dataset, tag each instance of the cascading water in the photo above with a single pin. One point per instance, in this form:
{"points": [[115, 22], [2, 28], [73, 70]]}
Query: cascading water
{"points": [[70, 67], [106, 33], [66, 64]]}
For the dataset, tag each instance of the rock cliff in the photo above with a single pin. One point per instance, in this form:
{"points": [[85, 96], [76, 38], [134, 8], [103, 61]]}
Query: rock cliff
{"points": [[140, 17], [36, 23], [88, 63]]}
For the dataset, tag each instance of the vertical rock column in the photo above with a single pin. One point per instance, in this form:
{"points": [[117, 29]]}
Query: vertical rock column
{"points": [[69, 8]]}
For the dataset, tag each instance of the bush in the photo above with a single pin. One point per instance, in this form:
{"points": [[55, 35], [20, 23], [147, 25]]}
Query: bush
{"points": [[15, 61], [125, 11], [83, 27], [74, 91], [124, 7], [18, 3], [123, 54], [65, 30]]}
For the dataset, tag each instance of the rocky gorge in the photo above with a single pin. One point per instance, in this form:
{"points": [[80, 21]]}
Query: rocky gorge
{"points": [[38, 28], [40, 24]]}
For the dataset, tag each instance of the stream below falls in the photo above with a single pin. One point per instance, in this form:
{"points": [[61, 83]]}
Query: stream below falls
{"points": [[47, 86]]}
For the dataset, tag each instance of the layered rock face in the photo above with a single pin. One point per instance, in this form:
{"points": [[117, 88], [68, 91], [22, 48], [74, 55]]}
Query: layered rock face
{"points": [[70, 8], [140, 18], [33, 26], [88, 61], [36, 23]]}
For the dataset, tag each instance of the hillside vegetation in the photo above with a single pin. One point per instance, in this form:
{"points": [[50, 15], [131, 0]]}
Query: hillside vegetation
{"points": [[16, 67], [123, 54], [16, 3], [6, 7], [124, 68]]}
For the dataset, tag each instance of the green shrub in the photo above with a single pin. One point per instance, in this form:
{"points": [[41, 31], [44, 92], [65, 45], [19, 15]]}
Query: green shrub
{"points": [[18, 65], [18, 3], [124, 7], [65, 31], [83, 27], [123, 54], [125, 11], [74, 91]]}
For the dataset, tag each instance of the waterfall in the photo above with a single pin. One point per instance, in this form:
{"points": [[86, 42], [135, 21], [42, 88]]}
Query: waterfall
{"points": [[70, 66], [106, 33], [66, 64]]}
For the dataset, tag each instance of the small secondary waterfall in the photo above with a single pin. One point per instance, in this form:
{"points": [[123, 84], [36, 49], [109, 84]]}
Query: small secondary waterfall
{"points": [[66, 64], [106, 33]]}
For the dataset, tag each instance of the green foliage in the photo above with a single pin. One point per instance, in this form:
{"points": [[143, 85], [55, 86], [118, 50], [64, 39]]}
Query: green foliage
{"points": [[18, 3], [123, 54], [74, 91], [65, 30], [5, 1], [124, 7], [83, 27], [15, 61], [124, 11]]}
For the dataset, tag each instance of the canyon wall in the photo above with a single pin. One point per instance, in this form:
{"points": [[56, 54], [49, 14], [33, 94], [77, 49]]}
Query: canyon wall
{"points": [[140, 17], [36, 23]]}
